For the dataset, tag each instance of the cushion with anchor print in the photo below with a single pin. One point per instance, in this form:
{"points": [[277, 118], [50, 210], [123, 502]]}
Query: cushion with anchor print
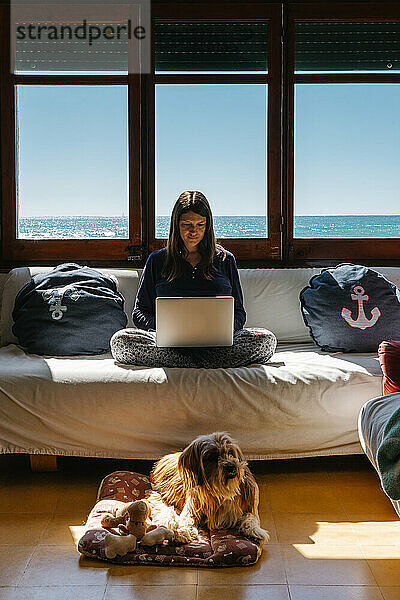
{"points": [[70, 310], [351, 308]]}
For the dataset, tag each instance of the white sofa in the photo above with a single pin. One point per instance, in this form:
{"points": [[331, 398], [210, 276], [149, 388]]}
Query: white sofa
{"points": [[304, 403]]}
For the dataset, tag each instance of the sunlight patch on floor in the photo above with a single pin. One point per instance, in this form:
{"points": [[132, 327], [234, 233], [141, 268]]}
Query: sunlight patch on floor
{"points": [[77, 532], [326, 542]]}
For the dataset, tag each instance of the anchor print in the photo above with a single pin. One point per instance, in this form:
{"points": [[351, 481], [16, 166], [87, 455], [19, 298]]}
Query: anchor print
{"points": [[362, 322], [56, 296]]}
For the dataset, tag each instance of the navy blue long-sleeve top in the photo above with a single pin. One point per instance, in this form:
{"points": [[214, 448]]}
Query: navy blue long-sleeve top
{"points": [[152, 285]]}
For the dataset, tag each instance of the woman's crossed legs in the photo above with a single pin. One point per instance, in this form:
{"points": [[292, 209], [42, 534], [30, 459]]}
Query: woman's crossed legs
{"points": [[138, 347]]}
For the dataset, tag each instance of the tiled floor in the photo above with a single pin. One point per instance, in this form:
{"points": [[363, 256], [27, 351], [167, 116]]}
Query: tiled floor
{"points": [[334, 536]]}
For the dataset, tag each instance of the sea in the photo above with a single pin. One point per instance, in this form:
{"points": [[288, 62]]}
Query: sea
{"points": [[244, 226]]}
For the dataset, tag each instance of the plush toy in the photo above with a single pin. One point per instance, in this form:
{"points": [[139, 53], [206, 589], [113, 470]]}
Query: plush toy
{"points": [[118, 544], [129, 517], [157, 536]]}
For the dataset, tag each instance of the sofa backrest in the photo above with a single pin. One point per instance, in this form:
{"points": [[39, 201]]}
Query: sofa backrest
{"points": [[271, 297], [271, 300]]}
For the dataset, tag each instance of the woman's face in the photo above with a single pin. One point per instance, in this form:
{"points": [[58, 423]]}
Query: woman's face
{"points": [[192, 228]]}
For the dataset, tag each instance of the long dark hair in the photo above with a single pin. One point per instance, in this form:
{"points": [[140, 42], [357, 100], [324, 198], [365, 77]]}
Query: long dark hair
{"points": [[176, 249]]}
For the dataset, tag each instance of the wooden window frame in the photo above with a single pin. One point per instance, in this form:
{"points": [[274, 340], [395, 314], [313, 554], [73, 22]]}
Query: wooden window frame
{"points": [[330, 250]]}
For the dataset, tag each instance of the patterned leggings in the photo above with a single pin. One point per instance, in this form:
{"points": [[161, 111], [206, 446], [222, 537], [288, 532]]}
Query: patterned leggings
{"points": [[138, 347]]}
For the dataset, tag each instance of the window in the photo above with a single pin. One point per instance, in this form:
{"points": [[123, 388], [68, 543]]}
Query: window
{"points": [[71, 111], [213, 119], [212, 136], [343, 199]]}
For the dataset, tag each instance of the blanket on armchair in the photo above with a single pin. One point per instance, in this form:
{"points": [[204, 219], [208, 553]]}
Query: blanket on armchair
{"points": [[388, 457]]}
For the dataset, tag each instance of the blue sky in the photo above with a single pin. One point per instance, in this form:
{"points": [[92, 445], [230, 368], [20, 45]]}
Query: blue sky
{"points": [[212, 138], [73, 148], [347, 154]]}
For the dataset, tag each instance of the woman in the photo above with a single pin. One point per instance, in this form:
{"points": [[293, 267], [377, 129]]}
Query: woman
{"points": [[192, 264]]}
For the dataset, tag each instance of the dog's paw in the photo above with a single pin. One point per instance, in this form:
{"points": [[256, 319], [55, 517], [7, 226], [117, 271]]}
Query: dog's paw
{"points": [[260, 535], [185, 535]]}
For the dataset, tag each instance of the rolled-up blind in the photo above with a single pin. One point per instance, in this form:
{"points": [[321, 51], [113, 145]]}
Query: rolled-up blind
{"points": [[71, 47], [332, 46], [208, 47]]}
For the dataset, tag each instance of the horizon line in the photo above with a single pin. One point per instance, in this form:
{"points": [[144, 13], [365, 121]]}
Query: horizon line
{"points": [[217, 215]]}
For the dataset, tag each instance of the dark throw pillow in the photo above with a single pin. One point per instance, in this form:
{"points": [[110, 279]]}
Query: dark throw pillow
{"points": [[351, 308], [70, 310]]}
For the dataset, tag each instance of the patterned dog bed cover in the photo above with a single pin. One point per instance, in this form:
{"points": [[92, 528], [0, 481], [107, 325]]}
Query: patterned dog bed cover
{"points": [[214, 548]]}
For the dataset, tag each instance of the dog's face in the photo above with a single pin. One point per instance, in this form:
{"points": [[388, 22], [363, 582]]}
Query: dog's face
{"points": [[214, 461]]}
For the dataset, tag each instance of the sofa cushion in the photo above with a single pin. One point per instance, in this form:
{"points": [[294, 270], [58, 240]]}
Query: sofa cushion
{"points": [[128, 281], [351, 308], [222, 548], [71, 310]]}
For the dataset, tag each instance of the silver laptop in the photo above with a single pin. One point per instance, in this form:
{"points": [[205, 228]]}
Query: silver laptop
{"points": [[194, 322]]}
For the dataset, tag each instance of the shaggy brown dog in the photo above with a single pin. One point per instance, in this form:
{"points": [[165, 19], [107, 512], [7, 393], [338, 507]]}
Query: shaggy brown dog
{"points": [[207, 485]]}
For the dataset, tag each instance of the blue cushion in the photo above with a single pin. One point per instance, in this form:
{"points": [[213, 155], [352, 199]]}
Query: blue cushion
{"points": [[71, 310], [351, 308]]}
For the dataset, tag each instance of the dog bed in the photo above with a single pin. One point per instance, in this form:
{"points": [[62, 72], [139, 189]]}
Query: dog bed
{"points": [[222, 548]]}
